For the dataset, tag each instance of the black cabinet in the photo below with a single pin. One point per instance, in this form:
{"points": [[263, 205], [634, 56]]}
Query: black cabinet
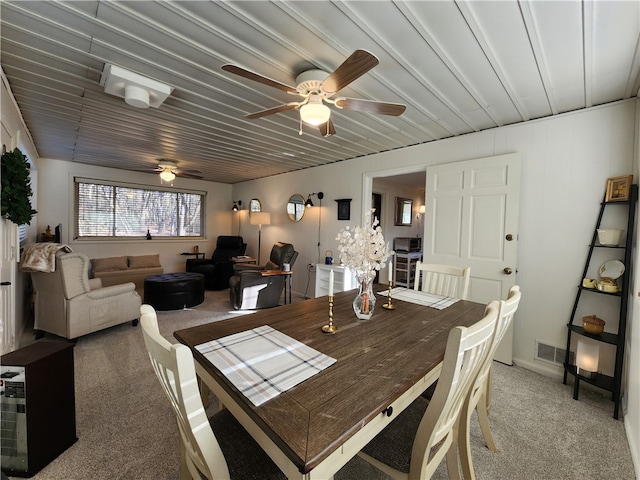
{"points": [[619, 298], [37, 400]]}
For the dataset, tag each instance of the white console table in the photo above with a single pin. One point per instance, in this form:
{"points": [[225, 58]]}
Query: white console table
{"points": [[343, 279]]}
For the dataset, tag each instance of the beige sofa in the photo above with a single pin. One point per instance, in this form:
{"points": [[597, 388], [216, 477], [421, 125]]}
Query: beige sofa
{"points": [[69, 304], [117, 270]]}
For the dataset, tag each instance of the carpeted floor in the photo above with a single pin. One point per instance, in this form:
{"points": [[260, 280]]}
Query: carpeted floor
{"points": [[126, 429]]}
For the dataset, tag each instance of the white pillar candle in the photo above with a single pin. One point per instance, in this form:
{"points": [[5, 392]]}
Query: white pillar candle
{"points": [[391, 269], [331, 283]]}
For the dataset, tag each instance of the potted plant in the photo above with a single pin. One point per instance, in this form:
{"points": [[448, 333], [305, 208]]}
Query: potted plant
{"points": [[16, 188]]}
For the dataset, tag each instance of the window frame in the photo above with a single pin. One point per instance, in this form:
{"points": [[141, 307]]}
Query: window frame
{"points": [[136, 186]]}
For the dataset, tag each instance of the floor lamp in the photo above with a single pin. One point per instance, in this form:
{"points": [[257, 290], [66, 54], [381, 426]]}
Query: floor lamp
{"points": [[260, 219]]}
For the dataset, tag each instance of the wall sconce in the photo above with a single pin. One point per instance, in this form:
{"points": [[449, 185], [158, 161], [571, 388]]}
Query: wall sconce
{"points": [[236, 205], [422, 210], [587, 357], [309, 202]]}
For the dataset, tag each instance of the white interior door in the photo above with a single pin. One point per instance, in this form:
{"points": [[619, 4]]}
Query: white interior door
{"points": [[471, 220], [8, 268]]}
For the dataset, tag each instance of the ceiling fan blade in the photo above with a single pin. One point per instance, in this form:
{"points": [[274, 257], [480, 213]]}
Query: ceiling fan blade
{"points": [[258, 78], [187, 174], [359, 63], [327, 129], [370, 106], [269, 111]]}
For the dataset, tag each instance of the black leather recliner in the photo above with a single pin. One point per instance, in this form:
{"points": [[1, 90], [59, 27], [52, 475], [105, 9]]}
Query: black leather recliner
{"points": [[219, 268], [249, 289]]}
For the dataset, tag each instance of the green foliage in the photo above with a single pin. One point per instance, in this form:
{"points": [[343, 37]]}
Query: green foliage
{"points": [[16, 188]]}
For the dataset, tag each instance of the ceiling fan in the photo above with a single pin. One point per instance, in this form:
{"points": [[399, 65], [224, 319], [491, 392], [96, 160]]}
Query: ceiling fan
{"points": [[168, 170], [317, 87]]}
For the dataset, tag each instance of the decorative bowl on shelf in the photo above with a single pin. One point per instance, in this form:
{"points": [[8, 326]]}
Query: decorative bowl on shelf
{"points": [[593, 325], [609, 236], [608, 285]]}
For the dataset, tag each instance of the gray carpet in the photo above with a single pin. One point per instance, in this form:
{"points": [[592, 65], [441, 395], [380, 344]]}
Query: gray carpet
{"points": [[126, 429]]}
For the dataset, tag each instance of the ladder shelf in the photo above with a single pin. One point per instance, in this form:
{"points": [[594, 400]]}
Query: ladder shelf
{"points": [[606, 382]]}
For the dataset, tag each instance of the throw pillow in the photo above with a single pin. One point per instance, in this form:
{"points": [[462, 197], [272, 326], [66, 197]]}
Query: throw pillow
{"points": [[109, 263], [144, 261]]}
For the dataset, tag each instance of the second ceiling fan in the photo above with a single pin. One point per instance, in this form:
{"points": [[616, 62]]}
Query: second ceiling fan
{"points": [[317, 87]]}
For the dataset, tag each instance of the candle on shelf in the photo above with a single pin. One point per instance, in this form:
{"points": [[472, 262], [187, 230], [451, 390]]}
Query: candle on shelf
{"points": [[331, 283]]}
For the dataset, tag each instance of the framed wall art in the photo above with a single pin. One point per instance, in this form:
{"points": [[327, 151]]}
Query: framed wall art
{"points": [[344, 208], [618, 188]]}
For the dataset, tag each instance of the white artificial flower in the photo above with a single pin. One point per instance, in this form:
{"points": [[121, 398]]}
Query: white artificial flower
{"points": [[363, 249]]}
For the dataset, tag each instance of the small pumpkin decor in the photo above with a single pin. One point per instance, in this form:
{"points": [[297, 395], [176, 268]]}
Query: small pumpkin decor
{"points": [[16, 188]]}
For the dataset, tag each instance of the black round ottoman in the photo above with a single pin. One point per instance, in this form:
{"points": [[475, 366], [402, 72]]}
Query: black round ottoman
{"points": [[173, 291]]}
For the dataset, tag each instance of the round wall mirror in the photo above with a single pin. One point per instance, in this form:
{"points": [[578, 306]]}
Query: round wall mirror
{"points": [[295, 207]]}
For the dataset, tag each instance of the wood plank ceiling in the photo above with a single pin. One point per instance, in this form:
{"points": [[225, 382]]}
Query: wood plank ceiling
{"points": [[459, 66]]}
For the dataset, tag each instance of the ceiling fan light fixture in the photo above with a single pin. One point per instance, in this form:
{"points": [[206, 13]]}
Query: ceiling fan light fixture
{"points": [[167, 175], [315, 112]]}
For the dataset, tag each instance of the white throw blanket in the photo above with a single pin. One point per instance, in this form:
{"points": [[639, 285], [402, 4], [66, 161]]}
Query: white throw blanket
{"points": [[41, 257]]}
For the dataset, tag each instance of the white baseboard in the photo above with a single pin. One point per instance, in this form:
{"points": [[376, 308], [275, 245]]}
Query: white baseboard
{"points": [[542, 368], [635, 449]]}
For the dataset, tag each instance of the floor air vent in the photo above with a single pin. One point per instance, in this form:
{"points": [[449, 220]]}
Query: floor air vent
{"points": [[549, 353]]}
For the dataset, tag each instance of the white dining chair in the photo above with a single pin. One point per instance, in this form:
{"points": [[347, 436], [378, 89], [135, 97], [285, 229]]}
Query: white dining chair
{"points": [[232, 454], [444, 280], [480, 393], [414, 444]]}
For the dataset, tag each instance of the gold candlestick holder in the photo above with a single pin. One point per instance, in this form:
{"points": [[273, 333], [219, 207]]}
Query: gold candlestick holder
{"points": [[330, 327], [389, 305]]}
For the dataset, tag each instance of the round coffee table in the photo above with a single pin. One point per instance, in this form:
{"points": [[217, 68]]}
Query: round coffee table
{"points": [[173, 291]]}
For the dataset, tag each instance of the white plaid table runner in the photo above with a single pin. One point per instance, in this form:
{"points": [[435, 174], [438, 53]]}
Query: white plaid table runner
{"points": [[421, 298], [263, 362]]}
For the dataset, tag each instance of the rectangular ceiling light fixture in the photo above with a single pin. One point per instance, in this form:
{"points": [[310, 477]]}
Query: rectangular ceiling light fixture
{"points": [[137, 91]]}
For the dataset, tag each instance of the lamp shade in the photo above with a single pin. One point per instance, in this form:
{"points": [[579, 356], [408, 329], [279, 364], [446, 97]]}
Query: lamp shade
{"points": [[315, 112], [260, 218], [587, 357], [167, 175]]}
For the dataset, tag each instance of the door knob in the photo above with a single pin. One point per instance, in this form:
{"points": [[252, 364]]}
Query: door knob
{"points": [[509, 237], [507, 270]]}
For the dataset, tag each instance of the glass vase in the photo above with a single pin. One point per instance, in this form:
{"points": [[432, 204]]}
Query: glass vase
{"points": [[365, 302]]}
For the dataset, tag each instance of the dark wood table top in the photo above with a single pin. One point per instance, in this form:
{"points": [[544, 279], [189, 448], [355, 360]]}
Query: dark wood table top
{"points": [[377, 361]]}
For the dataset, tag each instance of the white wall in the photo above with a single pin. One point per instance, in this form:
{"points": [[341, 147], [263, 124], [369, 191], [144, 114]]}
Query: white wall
{"points": [[566, 161], [57, 186], [632, 417]]}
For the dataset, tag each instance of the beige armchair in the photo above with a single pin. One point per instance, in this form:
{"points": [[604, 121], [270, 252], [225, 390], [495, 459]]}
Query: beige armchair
{"points": [[69, 304]]}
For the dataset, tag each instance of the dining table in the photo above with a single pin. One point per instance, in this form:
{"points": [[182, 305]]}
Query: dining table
{"points": [[381, 365]]}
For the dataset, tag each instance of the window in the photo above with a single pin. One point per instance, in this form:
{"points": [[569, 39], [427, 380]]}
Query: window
{"points": [[107, 209]]}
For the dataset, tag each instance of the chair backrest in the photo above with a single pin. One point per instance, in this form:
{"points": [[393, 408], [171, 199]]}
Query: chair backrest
{"points": [[444, 280], [466, 350], [228, 246], [70, 278], [174, 367], [280, 253], [506, 311]]}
